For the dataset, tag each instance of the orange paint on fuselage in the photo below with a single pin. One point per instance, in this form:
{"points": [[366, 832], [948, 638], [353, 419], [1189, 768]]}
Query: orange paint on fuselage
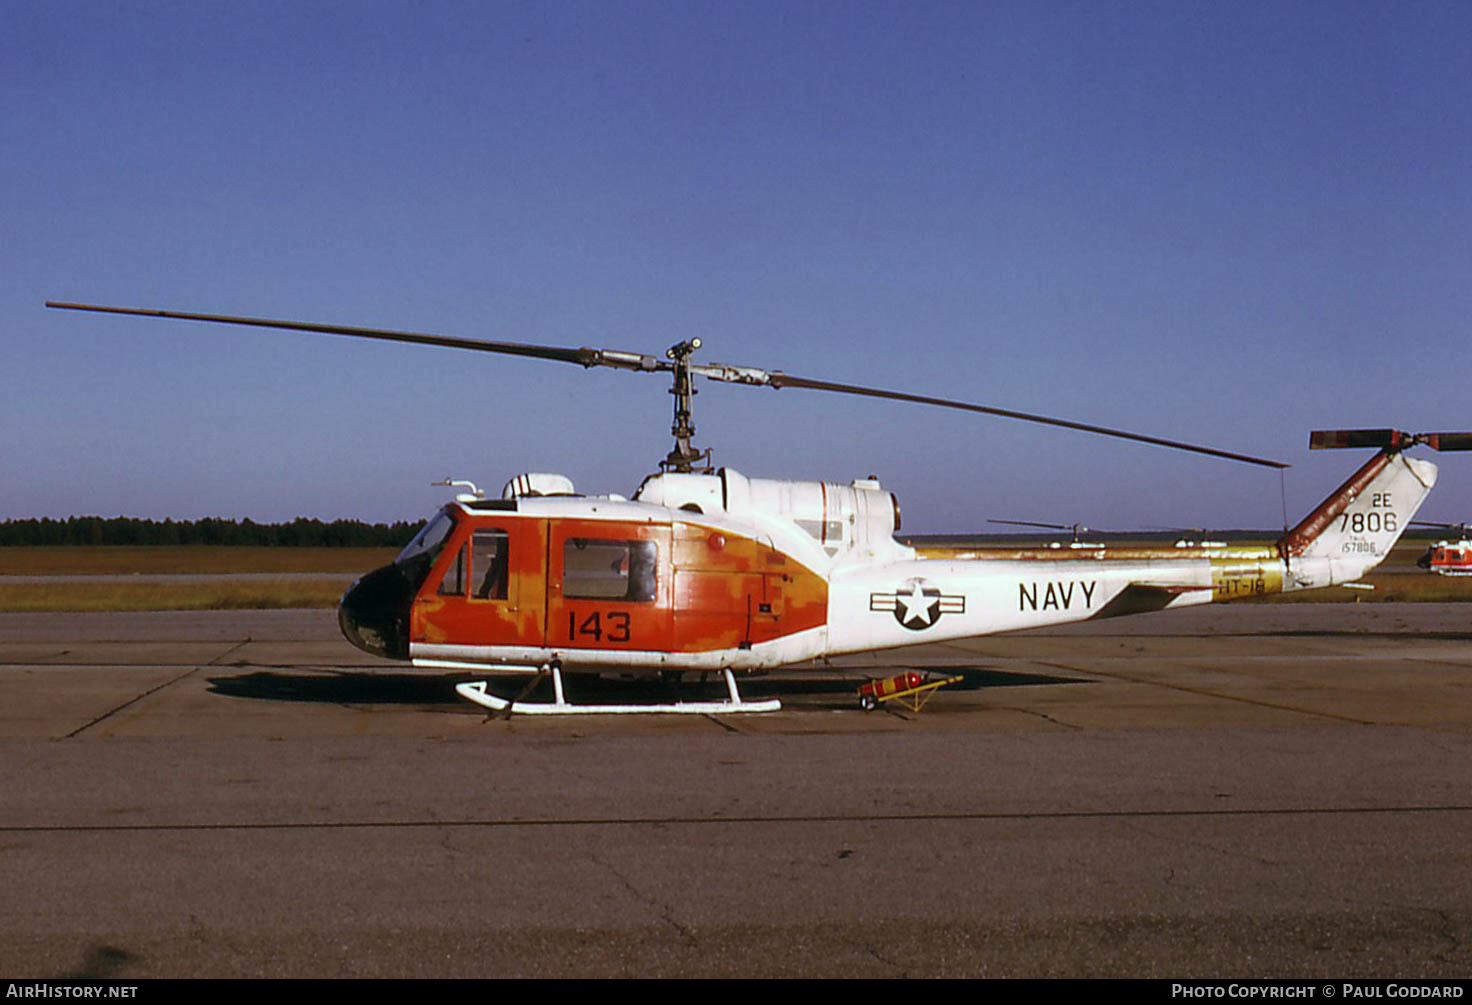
{"points": [[731, 591], [586, 584], [517, 619]]}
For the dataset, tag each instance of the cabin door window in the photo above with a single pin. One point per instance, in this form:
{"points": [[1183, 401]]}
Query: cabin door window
{"points": [[606, 569], [480, 569]]}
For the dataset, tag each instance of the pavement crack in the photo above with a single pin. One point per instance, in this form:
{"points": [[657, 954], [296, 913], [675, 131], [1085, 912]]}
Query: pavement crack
{"points": [[1459, 664], [663, 910], [1208, 693], [878, 957], [154, 690], [1041, 715], [1175, 841], [1446, 930], [1441, 926]]}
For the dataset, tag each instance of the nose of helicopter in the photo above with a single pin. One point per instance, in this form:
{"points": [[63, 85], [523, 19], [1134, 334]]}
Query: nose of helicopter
{"points": [[374, 613]]}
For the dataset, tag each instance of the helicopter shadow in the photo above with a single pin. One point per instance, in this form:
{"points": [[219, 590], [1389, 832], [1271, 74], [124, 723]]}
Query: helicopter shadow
{"points": [[1389, 636], [341, 687], [378, 688], [981, 678]]}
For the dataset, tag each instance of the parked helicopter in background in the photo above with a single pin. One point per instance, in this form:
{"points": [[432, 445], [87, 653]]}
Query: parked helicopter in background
{"points": [[1447, 558], [1076, 529], [707, 570]]}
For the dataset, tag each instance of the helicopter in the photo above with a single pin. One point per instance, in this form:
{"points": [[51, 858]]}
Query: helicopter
{"points": [[1076, 529], [706, 570], [1447, 558]]}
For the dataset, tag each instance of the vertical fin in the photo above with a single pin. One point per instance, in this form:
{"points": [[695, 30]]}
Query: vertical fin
{"points": [[1353, 530]]}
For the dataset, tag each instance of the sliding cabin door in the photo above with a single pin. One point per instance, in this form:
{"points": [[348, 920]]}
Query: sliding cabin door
{"points": [[608, 586]]}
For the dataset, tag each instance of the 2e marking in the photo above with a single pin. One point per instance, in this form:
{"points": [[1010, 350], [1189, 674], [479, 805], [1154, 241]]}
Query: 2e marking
{"points": [[1380, 517]]}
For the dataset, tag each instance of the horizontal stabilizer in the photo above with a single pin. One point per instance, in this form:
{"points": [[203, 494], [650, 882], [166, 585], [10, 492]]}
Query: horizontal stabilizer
{"points": [[1142, 598]]}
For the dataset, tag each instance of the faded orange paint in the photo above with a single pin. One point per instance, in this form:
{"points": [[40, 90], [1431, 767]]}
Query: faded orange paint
{"points": [[607, 623], [517, 620], [731, 591], [713, 590]]}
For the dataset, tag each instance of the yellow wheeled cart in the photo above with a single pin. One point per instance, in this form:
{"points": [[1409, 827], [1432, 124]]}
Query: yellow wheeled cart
{"points": [[910, 689]]}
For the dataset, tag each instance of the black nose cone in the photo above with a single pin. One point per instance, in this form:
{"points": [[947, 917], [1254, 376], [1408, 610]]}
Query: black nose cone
{"points": [[374, 613]]}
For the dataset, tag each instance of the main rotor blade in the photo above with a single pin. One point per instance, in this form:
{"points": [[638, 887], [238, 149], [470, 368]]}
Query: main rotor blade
{"points": [[779, 379], [583, 356], [589, 357]]}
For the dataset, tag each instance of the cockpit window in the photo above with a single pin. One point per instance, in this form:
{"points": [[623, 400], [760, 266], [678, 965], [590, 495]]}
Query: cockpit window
{"points": [[453, 583], [429, 538], [601, 569], [482, 566], [419, 555]]}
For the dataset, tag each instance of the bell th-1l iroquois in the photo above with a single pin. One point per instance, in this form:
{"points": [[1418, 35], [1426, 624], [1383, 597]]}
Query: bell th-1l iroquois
{"points": [[709, 570]]}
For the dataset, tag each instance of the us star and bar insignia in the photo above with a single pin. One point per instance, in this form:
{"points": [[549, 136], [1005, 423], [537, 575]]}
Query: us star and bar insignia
{"points": [[917, 604]]}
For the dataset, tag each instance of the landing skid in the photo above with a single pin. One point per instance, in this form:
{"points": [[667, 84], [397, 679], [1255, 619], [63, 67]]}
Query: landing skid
{"points": [[476, 691]]}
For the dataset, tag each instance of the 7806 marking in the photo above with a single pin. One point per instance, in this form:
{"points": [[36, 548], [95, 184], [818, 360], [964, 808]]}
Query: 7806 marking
{"points": [[1380, 517]]}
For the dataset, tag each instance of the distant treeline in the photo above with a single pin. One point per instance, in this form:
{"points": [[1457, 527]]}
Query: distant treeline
{"points": [[299, 533]]}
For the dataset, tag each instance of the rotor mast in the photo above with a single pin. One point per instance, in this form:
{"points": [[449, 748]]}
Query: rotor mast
{"points": [[684, 457]]}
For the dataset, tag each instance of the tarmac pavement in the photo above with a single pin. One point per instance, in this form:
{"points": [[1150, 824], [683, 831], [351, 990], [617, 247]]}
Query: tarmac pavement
{"points": [[1239, 791]]}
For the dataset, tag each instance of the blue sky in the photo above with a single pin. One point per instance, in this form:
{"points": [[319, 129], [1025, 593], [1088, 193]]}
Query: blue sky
{"points": [[1224, 223]]}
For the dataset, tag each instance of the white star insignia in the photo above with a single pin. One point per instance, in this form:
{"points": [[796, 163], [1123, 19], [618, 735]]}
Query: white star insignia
{"points": [[917, 605]]}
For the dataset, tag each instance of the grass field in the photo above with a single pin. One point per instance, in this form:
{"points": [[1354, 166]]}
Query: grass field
{"points": [[188, 560], [286, 586], [257, 594], [1395, 587]]}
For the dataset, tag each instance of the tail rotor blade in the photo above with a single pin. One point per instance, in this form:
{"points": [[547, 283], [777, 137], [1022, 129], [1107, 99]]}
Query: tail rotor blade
{"points": [[1343, 439], [1386, 439], [1448, 441]]}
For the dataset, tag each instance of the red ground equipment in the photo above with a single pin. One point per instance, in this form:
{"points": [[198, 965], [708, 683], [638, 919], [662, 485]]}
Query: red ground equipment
{"points": [[911, 689]]}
